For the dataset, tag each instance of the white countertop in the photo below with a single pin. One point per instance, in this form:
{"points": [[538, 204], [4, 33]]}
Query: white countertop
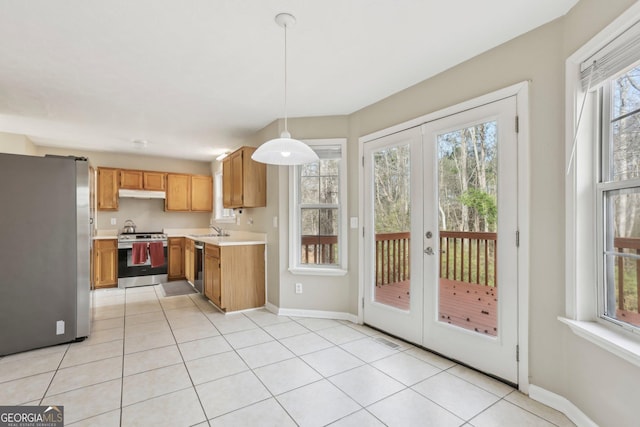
{"points": [[105, 234], [236, 238]]}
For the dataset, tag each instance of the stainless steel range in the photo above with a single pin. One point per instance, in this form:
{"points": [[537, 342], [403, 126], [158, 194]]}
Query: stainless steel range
{"points": [[142, 259]]}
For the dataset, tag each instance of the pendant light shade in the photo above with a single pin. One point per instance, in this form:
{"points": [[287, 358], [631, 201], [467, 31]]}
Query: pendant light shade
{"points": [[285, 150]]}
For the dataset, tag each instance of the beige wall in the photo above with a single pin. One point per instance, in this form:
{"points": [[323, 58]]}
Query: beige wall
{"points": [[602, 385], [16, 144]]}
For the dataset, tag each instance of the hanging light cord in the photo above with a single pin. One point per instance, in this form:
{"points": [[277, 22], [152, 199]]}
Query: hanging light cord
{"points": [[285, 78], [575, 133]]}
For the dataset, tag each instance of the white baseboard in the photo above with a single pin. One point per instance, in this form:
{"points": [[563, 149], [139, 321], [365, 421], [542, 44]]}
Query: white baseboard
{"points": [[319, 314], [561, 404]]}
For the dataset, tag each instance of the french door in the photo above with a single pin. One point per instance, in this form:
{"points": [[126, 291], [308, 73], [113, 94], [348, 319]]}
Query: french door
{"points": [[441, 221], [393, 299]]}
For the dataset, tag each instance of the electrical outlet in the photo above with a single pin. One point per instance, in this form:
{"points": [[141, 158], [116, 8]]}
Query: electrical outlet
{"points": [[113, 221], [298, 288], [354, 222], [60, 327]]}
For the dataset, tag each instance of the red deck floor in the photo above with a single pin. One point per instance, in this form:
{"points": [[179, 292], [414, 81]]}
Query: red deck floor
{"points": [[466, 305]]}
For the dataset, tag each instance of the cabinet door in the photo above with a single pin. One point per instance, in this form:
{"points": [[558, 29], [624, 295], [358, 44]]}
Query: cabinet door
{"points": [[216, 285], [212, 283], [105, 263], [178, 192], [244, 181], [201, 193], [226, 183], [107, 189], [189, 260], [254, 181], [236, 179], [155, 181], [175, 254], [131, 180], [209, 262]]}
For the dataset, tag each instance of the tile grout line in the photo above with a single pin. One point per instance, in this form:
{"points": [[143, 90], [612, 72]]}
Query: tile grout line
{"points": [[296, 356]]}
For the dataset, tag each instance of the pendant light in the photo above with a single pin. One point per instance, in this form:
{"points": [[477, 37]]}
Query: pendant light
{"points": [[285, 150]]}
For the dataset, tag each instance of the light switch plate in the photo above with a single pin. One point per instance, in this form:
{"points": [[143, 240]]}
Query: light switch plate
{"points": [[113, 221], [275, 222], [60, 327], [354, 222]]}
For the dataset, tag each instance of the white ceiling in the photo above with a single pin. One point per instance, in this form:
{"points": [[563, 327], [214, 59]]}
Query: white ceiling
{"points": [[196, 77]]}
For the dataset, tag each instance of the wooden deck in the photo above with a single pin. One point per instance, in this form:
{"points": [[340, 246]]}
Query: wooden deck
{"points": [[467, 305], [394, 294]]}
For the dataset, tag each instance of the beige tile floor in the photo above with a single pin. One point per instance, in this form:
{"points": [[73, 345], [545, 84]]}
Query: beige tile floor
{"points": [[177, 361]]}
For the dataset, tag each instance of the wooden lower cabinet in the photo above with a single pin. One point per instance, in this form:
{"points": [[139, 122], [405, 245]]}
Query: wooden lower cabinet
{"points": [[105, 263], [234, 276], [212, 274], [176, 261], [189, 260]]}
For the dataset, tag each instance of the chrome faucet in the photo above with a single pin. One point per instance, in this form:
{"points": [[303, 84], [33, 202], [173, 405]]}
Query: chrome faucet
{"points": [[217, 229]]}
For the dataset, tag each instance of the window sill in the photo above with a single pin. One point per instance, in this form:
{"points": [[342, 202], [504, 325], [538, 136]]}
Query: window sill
{"points": [[303, 271], [613, 341]]}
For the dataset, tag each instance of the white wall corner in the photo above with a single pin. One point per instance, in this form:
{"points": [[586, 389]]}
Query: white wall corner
{"points": [[272, 308], [561, 404]]}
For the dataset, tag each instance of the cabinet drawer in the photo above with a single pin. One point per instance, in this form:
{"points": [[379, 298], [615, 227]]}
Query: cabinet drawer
{"points": [[212, 250]]}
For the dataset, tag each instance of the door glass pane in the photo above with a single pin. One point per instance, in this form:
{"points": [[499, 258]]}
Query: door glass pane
{"points": [[392, 220], [468, 215]]}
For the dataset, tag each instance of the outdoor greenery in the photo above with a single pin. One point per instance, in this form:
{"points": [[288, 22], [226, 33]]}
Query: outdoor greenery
{"points": [[623, 150], [467, 178], [467, 185], [319, 191]]}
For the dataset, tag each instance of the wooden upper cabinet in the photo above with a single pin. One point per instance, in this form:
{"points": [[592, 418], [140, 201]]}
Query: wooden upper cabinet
{"points": [[189, 193], [155, 181], [131, 180], [201, 193], [244, 180], [142, 180], [178, 192], [226, 184], [107, 187]]}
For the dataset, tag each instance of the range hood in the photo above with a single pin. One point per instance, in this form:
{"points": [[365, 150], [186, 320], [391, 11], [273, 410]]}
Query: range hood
{"points": [[142, 194]]}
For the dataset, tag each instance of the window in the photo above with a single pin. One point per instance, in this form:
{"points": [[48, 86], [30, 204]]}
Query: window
{"points": [[602, 188], [318, 217], [618, 198], [221, 214]]}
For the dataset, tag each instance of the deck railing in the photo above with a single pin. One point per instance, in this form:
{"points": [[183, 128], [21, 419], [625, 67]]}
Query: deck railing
{"points": [[392, 257], [469, 257], [319, 249], [622, 243], [464, 256]]}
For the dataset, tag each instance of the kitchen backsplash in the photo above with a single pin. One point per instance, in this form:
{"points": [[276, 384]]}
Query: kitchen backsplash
{"points": [[149, 215]]}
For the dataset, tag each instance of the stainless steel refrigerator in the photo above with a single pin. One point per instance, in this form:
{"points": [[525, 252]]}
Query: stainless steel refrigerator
{"points": [[45, 238]]}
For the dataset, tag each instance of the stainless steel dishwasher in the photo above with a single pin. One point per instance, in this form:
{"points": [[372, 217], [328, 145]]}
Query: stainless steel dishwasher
{"points": [[198, 268]]}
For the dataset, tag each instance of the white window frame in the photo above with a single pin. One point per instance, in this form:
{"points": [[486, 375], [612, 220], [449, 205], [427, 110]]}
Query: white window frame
{"points": [[295, 267], [222, 214], [583, 231]]}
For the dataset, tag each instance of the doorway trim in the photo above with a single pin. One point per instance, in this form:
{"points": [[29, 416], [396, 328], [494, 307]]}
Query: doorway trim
{"points": [[521, 92]]}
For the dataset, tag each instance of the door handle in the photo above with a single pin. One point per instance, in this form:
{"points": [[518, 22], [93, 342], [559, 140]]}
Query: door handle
{"points": [[428, 250]]}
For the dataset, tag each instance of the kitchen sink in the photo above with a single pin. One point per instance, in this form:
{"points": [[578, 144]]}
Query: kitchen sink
{"points": [[210, 235]]}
